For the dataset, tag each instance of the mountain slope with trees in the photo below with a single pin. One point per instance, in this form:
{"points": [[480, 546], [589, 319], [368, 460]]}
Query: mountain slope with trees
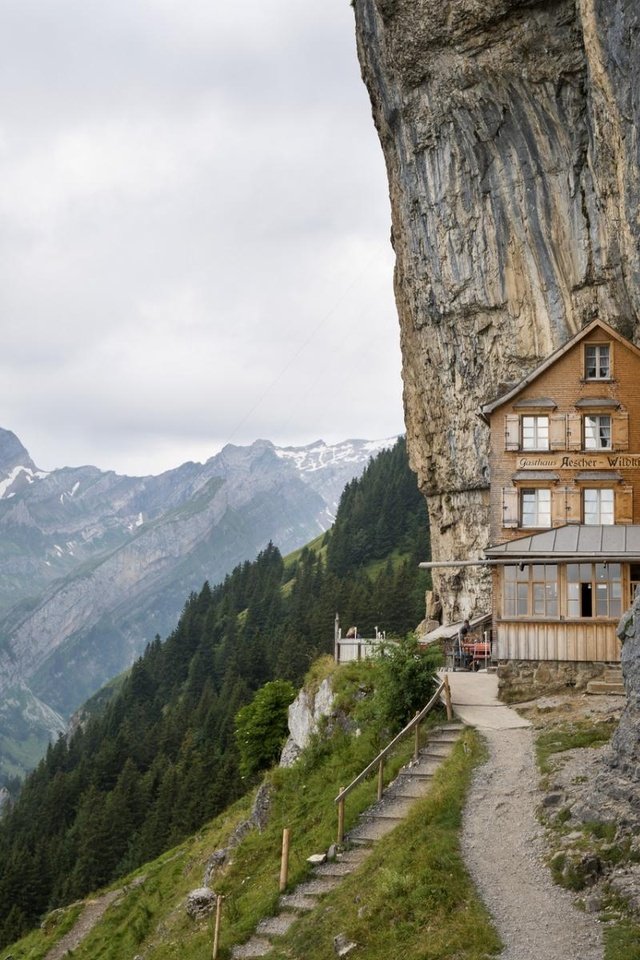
{"points": [[93, 565], [161, 758]]}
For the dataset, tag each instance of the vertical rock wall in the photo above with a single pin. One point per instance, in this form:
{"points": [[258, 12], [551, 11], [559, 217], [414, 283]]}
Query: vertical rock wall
{"points": [[510, 134]]}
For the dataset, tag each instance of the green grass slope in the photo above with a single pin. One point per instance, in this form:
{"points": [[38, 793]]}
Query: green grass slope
{"points": [[412, 897]]}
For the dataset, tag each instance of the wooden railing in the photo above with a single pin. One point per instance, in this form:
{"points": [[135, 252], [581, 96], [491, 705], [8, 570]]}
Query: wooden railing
{"points": [[378, 762]]}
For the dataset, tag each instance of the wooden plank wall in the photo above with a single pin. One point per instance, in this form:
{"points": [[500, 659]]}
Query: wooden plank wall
{"points": [[520, 640]]}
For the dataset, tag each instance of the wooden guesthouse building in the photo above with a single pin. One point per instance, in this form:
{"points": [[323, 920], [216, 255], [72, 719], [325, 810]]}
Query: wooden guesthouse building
{"points": [[565, 502]]}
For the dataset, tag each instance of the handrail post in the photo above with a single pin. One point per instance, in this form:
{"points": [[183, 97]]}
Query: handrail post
{"points": [[341, 817], [447, 698], [416, 744], [380, 779], [284, 860], [216, 932]]}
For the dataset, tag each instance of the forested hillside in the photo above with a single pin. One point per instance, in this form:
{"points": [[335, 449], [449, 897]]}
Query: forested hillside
{"points": [[161, 759]]}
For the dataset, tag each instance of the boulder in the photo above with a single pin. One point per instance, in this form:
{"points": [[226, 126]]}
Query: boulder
{"points": [[200, 903]]}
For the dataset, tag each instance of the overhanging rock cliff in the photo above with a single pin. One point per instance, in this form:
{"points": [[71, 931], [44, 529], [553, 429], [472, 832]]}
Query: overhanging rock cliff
{"points": [[509, 130]]}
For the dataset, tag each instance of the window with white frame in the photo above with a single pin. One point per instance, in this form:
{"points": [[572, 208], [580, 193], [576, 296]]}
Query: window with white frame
{"points": [[530, 590], [594, 590], [535, 507], [535, 433], [597, 505], [597, 361], [597, 432]]}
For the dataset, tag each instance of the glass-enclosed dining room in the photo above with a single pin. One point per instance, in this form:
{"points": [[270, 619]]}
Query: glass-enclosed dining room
{"points": [[572, 591]]}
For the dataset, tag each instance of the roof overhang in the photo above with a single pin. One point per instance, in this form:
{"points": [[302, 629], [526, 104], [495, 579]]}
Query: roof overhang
{"points": [[612, 542]]}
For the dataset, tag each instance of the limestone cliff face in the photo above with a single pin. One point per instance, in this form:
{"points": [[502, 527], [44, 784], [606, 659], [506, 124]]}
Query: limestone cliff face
{"points": [[510, 134]]}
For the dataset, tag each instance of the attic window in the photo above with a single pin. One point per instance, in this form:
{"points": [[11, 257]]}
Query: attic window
{"points": [[597, 361]]}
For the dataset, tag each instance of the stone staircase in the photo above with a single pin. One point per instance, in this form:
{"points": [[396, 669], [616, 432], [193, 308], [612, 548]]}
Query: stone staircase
{"points": [[411, 784], [610, 683]]}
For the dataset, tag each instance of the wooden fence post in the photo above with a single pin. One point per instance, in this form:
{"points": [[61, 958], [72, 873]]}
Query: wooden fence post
{"points": [[416, 745], [216, 932], [284, 860], [341, 817], [447, 698], [380, 779]]}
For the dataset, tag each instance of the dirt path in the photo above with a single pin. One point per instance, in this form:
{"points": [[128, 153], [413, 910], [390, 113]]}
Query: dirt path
{"points": [[502, 845], [87, 920]]}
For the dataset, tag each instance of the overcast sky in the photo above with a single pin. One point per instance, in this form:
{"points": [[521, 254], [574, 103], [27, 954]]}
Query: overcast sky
{"points": [[194, 231]]}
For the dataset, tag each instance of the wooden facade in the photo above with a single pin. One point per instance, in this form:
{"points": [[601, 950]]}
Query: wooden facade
{"points": [[565, 460]]}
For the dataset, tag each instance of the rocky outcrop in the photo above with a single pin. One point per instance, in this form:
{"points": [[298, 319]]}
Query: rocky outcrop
{"points": [[257, 820], [509, 131], [611, 792], [305, 714], [200, 903], [624, 758]]}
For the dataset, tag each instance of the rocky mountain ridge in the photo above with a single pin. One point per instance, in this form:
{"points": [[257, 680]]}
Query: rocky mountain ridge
{"points": [[93, 565]]}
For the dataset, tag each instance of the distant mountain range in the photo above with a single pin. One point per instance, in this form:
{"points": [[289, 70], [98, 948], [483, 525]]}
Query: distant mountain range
{"points": [[93, 565]]}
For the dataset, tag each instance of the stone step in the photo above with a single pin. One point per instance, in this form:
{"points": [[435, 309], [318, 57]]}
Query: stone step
{"points": [[335, 869], [435, 753], [603, 688], [295, 901], [372, 830], [415, 773], [411, 790], [276, 926], [317, 887], [395, 808], [354, 855], [256, 947]]}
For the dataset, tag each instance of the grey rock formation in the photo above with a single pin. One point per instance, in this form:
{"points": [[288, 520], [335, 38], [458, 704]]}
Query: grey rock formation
{"points": [[200, 903], [257, 820], [624, 758], [509, 131], [611, 793], [305, 713]]}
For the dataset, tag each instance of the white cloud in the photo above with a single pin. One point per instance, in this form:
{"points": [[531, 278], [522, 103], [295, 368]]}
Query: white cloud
{"points": [[193, 231]]}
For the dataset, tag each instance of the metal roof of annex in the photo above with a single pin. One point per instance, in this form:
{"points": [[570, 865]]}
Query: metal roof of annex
{"points": [[579, 541]]}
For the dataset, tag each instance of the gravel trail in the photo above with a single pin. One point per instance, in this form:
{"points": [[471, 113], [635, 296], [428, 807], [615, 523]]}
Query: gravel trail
{"points": [[87, 920], [502, 844]]}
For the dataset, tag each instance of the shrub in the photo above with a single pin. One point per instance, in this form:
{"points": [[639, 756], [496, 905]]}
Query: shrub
{"points": [[405, 683], [261, 726]]}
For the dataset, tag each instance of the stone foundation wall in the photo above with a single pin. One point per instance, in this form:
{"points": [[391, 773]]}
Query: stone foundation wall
{"points": [[520, 680]]}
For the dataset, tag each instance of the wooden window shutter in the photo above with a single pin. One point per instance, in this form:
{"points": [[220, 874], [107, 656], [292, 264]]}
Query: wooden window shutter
{"points": [[557, 431], [620, 431], [624, 504], [573, 497], [574, 431], [558, 506], [510, 502], [512, 432]]}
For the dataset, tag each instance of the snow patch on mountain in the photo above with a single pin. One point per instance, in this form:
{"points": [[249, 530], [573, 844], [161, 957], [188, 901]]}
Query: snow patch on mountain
{"points": [[20, 474], [329, 467], [320, 455]]}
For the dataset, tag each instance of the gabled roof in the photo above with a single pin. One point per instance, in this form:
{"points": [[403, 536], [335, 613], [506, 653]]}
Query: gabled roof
{"points": [[579, 541], [488, 408]]}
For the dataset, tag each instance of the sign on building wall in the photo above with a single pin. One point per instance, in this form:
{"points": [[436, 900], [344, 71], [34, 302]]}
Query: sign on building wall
{"points": [[591, 461]]}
